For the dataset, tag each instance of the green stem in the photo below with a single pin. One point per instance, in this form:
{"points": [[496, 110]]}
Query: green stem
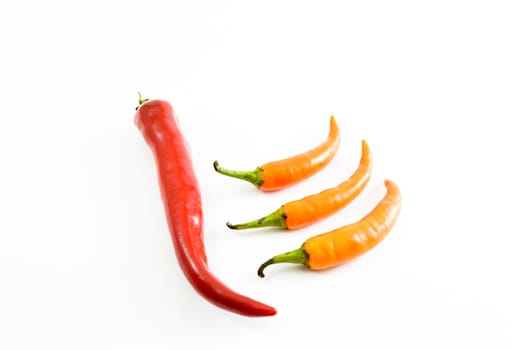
{"points": [[141, 101], [298, 256], [255, 177], [275, 219]]}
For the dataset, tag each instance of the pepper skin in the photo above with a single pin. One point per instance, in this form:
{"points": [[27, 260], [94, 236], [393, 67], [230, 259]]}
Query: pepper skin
{"points": [[348, 242], [182, 203], [280, 174], [313, 208]]}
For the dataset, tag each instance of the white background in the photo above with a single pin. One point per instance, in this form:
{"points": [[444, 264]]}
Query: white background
{"points": [[436, 88]]}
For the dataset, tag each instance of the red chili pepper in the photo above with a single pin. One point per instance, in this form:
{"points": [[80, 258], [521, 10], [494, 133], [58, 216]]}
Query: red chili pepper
{"points": [[182, 202], [279, 174]]}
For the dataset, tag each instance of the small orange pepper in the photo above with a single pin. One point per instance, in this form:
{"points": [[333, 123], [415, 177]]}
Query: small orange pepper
{"points": [[279, 174], [348, 242], [310, 209]]}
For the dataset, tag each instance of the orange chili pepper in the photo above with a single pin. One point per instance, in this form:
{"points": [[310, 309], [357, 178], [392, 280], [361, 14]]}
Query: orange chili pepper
{"points": [[283, 173], [345, 243], [306, 211]]}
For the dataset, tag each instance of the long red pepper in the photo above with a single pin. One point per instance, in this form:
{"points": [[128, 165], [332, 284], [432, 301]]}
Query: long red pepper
{"points": [[182, 202]]}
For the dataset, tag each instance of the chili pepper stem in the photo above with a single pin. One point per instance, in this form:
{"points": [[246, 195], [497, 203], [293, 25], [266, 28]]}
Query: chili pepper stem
{"points": [[274, 219], [141, 101], [297, 256], [255, 177]]}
